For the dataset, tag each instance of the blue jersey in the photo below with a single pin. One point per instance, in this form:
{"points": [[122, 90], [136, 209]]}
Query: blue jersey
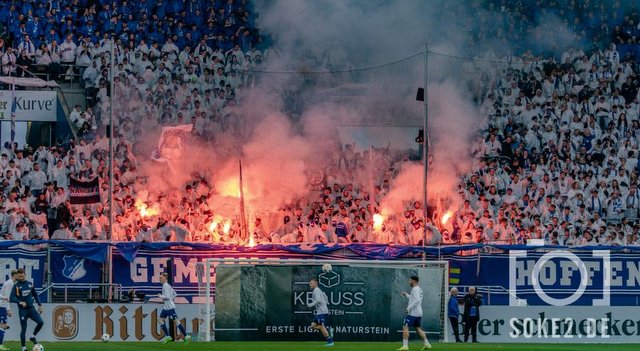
{"points": [[341, 230], [24, 291]]}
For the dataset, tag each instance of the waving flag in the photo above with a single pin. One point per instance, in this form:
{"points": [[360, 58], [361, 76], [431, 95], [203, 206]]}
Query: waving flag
{"points": [[84, 192], [171, 142]]}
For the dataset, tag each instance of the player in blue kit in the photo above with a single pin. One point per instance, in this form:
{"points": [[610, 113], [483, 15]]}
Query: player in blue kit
{"points": [[321, 320], [24, 294]]}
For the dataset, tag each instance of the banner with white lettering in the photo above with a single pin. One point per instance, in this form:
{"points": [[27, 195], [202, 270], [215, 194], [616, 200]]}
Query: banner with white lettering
{"points": [[142, 272], [31, 105], [544, 277], [31, 258], [84, 192], [270, 303], [88, 322], [550, 324]]}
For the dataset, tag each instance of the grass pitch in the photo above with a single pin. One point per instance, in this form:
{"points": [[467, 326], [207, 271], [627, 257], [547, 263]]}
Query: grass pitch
{"points": [[295, 346]]}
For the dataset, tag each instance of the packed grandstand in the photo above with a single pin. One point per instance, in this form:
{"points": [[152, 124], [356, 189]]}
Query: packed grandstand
{"points": [[558, 160]]}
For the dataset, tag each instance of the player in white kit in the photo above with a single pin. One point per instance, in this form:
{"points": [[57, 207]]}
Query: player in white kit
{"points": [[321, 320], [5, 307], [169, 310], [414, 315]]}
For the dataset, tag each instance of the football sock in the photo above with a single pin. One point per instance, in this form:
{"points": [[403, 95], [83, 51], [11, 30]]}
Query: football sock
{"points": [[165, 329], [182, 330]]}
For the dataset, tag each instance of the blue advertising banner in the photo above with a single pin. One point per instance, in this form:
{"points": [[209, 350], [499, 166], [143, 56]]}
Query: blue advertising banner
{"points": [[557, 278], [517, 274], [140, 272], [30, 258], [508, 269], [68, 267]]}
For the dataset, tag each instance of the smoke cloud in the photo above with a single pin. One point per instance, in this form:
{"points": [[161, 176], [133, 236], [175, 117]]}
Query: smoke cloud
{"points": [[291, 120]]}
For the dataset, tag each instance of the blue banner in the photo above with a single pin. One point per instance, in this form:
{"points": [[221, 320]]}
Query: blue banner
{"points": [[129, 250], [92, 251], [30, 258], [140, 272], [68, 267], [524, 274], [552, 277]]}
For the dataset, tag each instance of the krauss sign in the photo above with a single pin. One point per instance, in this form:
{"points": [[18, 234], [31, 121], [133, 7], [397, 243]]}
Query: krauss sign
{"points": [[271, 302], [37, 106], [351, 299], [344, 298]]}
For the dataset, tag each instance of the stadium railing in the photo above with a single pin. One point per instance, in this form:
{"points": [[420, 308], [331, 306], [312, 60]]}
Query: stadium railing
{"points": [[74, 292]]}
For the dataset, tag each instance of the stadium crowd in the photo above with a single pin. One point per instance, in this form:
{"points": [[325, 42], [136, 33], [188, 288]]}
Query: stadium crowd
{"points": [[559, 161]]}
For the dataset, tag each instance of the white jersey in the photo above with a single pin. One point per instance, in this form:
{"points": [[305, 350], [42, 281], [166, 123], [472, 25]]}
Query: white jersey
{"points": [[5, 294], [414, 308], [319, 301], [167, 296]]}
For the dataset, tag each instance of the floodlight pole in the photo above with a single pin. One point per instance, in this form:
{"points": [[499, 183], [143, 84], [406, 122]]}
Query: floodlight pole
{"points": [[111, 103], [425, 148]]}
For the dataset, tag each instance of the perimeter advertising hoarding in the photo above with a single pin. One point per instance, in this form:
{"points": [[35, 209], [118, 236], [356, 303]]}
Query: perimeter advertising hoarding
{"points": [[552, 324], [365, 304], [31, 105], [87, 322]]}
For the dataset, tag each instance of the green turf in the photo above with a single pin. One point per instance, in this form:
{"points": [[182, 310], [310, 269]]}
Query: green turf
{"points": [[304, 346]]}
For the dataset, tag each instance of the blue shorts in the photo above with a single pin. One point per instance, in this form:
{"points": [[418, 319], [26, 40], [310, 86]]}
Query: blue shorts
{"points": [[29, 313], [321, 319], [411, 321], [171, 314], [3, 315]]}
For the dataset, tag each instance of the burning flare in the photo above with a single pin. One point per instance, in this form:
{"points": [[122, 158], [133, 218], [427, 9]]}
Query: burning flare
{"points": [[227, 227], [229, 187], [378, 220], [146, 211], [446, 217]]}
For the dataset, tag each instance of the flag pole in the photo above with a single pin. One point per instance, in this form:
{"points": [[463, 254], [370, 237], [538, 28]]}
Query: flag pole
{"points": [[425, 149], [243, 219], [371, 188], [111, 98], [13, 109], [111, 104]]}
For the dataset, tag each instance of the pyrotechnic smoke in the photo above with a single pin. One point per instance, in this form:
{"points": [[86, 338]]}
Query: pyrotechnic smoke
{"points": [[273, 161], [340, 35], [310, 36]]}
